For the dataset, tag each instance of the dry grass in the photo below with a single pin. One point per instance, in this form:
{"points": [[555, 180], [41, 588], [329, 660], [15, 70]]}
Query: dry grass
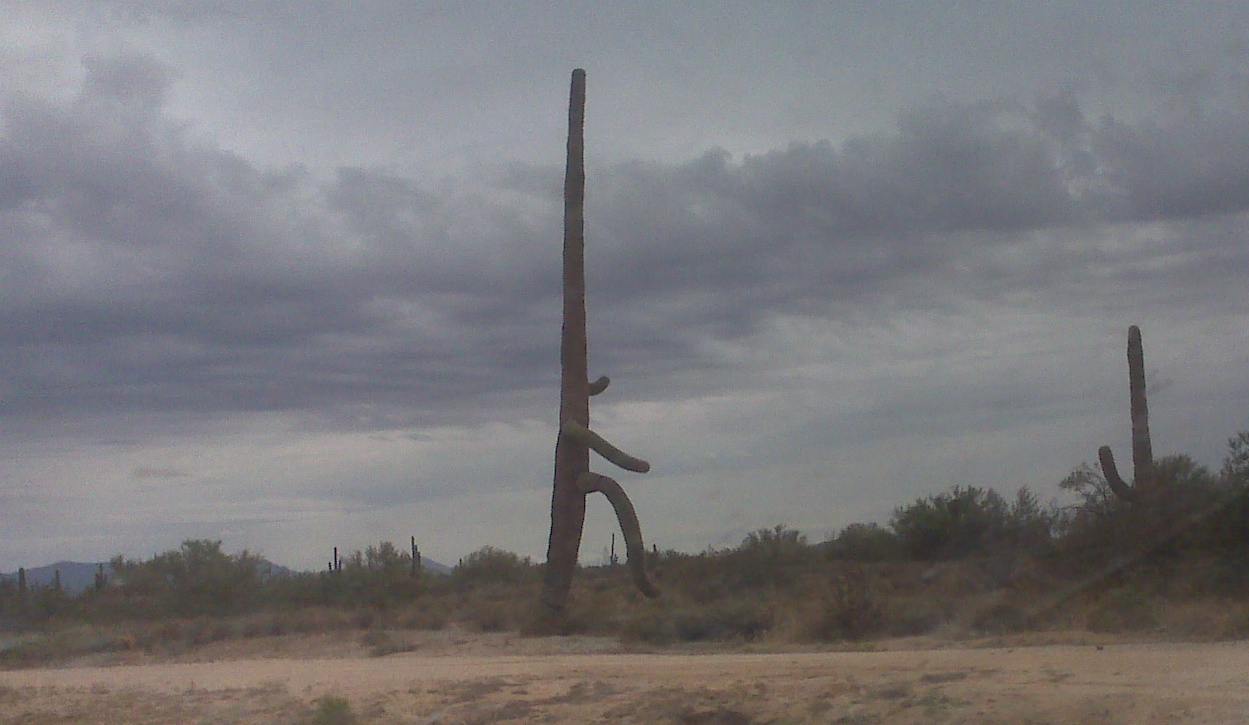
{"points": [[816, 601]]}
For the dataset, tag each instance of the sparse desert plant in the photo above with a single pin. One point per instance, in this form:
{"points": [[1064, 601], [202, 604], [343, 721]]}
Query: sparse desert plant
{"points": [[965, 521], [333, 710], [769, 557], [1001, 617], [649, 625], [489, 566], [1125, 609], [492, 615], [905, 617], [849, 610], [864, 542], [381, 643], [428, 614], [739, 618]]}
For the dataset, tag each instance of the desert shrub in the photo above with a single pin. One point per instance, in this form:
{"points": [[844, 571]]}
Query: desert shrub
{"points": [[333, 710], [198, 578], [1237, 624], [491, 617], [648, 625], [967, 521], [425, 615], [912, 616], [950, 525], [489, 565], [734, 619], [203, 630], [493, 609], [363, 619], [1190, 514], [381, 643], [864, 542], [1125, 609], [849, 609], [1001, 618], [45, 647], [767, 557]]}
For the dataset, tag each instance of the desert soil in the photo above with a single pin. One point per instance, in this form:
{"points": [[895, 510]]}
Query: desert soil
{"points": [[1136, 683]]}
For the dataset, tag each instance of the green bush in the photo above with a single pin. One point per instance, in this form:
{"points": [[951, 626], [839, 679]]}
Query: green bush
{"points": [[1001, 618], [489, 565], [1123, 610], [648, 625], [969, 521], [848, 610], [865, 542], [912, 616], [767, 557], [734, 619], [333, 710]]}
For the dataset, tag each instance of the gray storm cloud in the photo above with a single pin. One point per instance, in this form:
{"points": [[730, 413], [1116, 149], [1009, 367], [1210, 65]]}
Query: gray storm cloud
{"points": [[145, 269], [154, 285]]}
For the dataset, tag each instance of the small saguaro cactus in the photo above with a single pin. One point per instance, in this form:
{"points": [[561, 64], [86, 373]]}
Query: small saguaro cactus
{"points": [[21, 581], [416, 559], [573, 478], [1142, 450], [100, 579]]}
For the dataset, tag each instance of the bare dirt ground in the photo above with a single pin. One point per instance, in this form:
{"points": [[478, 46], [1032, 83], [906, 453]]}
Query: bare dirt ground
{"points": [[561, 680]]}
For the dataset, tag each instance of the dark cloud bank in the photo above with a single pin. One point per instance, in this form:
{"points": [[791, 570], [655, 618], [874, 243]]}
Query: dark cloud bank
{"points": [[146, 270], [154, 286]]}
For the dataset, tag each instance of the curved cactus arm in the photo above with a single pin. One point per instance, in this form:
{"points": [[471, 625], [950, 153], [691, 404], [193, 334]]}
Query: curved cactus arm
{"points": [[635, 550], [1117, 484], [578, 433], [598, 386]]}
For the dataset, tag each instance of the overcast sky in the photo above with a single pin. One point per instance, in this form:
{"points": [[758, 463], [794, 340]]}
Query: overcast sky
{"points": [[287, 275]]}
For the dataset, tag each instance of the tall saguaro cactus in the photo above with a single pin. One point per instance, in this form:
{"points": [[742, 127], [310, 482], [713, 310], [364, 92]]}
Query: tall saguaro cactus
{"points": [[1142, 449], [573, 478]]}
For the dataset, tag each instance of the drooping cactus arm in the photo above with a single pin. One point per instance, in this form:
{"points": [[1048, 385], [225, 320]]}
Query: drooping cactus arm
{"points": [[1117, 484], [598, 386], [635, 550], [588, 438]]}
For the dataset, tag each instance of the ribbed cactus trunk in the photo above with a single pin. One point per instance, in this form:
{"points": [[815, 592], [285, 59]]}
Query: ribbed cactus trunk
{"points": [[1142, 448], [571, 458], [573, 478]]}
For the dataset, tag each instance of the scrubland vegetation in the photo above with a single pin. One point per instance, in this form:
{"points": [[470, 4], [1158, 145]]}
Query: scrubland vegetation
{"points": [[964, 562]]}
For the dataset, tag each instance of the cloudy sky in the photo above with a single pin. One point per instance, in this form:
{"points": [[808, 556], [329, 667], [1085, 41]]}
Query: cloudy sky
{"points": [[287, 275]]}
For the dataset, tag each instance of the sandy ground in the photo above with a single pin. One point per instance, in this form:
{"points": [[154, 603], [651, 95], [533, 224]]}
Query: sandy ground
{"points": [[1137, 683]]}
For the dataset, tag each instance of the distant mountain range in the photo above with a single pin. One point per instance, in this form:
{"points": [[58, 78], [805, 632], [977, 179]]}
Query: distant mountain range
{"points": [[77, 576]]}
